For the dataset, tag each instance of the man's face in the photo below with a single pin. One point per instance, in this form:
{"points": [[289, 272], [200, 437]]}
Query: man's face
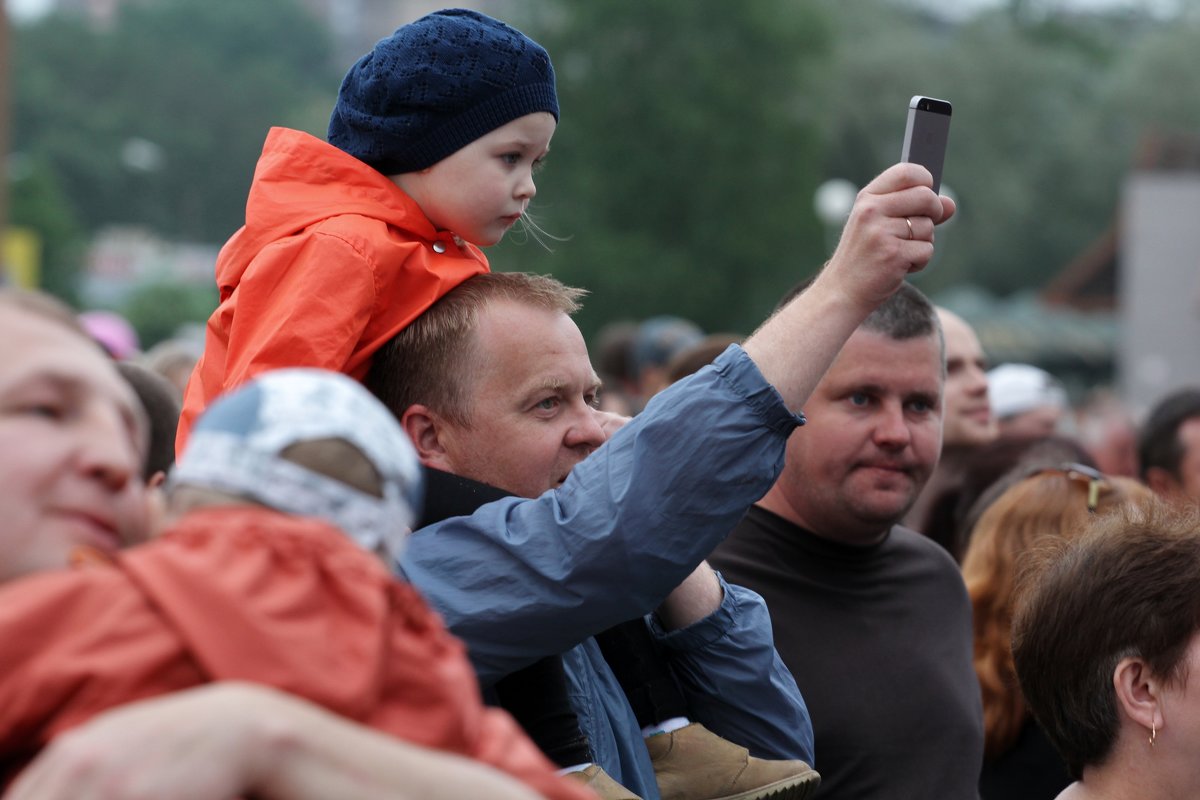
{"points": [[531, 400], [72, 439], [872, 439], [481, 190], [967, 419]]}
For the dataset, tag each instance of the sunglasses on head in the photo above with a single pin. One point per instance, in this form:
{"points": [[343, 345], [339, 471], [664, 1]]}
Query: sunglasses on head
{"points": [[1092, 478]]}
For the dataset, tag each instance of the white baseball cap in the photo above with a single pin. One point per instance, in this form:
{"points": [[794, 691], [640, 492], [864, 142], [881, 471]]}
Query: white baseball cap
{"points": [[1016, 388]]}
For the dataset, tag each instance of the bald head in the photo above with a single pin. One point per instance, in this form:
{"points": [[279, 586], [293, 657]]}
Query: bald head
{"points": [[968, 420]]}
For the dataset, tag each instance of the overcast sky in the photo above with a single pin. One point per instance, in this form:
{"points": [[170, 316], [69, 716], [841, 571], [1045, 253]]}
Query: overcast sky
{"points": [[966, 7], [23, 9]]}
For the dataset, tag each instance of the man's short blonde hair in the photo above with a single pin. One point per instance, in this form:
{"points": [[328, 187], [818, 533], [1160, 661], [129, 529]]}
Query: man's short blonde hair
{"points": [[428, 361]]}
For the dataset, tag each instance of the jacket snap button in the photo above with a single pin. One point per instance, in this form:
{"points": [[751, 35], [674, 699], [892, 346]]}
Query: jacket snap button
{"points": [[439, 247]]}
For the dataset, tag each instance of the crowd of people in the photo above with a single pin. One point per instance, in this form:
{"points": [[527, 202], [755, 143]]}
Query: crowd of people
{"points": [[394, 532]]}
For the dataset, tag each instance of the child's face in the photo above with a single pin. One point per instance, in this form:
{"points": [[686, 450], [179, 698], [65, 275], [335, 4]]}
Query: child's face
{"points": [[479, 191], [72, 437]]}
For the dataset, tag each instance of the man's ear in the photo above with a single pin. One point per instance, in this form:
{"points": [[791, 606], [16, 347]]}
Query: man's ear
{"points": [[1162, 482], [1139, 693], [426, 430]]}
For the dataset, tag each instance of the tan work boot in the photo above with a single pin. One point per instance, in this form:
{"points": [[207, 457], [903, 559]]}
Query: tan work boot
{"points": [[693, 763], [602, 784]]}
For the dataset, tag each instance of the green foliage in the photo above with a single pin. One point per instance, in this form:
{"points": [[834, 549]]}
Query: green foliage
{"points": [[1156, 87], [39, 204], [692, 138], [157, 310], [159, 120], [683, 169]]}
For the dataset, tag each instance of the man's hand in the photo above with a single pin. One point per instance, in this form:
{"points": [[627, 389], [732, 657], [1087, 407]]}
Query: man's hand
{"points": [[888, 235], [794, 348]]}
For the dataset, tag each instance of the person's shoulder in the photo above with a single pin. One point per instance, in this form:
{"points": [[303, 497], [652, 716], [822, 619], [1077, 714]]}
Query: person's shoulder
{"points": [[921, 550], [919, 544], [756, 529]]}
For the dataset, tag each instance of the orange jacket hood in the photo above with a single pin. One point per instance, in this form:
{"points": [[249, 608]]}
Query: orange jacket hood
{"points": [[333, 261], [301, 181]]}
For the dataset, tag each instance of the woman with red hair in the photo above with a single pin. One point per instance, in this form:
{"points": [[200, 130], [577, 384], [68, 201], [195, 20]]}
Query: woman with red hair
{"points": [[1047, 505]]}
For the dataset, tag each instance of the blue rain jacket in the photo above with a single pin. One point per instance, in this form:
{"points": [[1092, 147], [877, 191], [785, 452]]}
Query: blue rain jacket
{"points": [[521, 579]]}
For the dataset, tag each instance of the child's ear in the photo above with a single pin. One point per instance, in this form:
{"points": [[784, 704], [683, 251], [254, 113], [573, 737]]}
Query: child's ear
{"points": [[424, 428]]}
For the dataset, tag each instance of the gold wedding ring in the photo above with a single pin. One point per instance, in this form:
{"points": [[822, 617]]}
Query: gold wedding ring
{"points": [[910, 228]]}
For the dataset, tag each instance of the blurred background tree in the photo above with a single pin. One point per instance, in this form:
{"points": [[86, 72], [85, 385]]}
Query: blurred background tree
{"points": [[159, 120], [38, 203], [156, 309], [693, 134], [682, 173]]}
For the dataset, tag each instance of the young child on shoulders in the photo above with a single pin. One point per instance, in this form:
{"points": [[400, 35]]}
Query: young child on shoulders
{"points": [[430, 156]]}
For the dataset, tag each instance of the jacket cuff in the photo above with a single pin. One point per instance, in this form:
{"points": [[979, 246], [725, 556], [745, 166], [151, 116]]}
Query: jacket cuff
{"points": [[702, 633], [741, 374]]}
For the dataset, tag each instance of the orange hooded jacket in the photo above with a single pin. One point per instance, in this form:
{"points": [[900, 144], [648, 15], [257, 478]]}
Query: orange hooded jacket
{"points": [[253, 595], [333, 261]]}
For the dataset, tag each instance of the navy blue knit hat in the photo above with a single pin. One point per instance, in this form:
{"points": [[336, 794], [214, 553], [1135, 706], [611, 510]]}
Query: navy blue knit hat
{"points": [[436, 85]]}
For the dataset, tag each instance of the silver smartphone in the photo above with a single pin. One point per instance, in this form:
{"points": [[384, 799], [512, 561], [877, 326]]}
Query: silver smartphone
{"points": [[926, 134]]}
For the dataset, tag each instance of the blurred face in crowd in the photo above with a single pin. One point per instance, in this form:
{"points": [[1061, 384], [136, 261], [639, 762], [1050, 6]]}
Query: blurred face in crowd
{"points": [[1188, 480], [967, 420], [73, 438], [532, 402], [873, 437]]}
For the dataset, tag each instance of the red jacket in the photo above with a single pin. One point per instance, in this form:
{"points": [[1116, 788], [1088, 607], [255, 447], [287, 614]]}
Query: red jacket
{"points": [[253, 595], [333, 261]]}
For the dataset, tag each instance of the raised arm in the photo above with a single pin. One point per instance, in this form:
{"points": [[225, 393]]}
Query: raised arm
{"points": [[797, 344]]}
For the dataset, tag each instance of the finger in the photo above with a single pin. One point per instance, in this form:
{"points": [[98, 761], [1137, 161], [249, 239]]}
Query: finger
{"points": [[949, 207], [917, 253], [899, 177], [913, 202], [915, 228]]}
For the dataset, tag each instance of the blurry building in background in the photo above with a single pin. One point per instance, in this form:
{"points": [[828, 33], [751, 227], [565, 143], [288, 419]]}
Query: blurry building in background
{"points": [[1145, 270], [121, 259], [1159, 263], [1125, 313]]}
